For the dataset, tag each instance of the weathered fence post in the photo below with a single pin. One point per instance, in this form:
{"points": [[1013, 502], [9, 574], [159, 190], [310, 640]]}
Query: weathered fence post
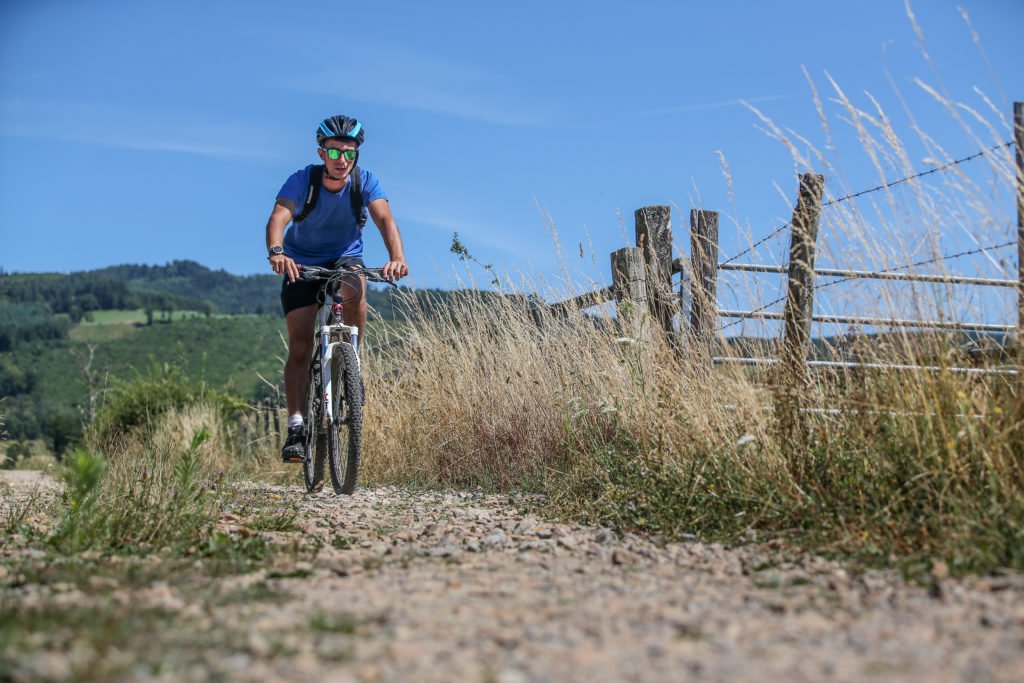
{"points": [[266, 416], [654, 237], [704, 286], [247, 430], [1018, 136], [796, 340], [629, 285], [277, 423]]}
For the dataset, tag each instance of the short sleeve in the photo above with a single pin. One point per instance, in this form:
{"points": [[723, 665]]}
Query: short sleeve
{"points": [[372, 189], [294, 189]]}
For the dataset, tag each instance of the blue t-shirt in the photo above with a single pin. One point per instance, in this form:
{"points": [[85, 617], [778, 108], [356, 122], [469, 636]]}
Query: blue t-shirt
{"points": [[330, 231]]}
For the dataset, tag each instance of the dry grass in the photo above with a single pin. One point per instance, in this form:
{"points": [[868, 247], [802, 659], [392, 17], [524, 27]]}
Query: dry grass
{"points": [[632, 433]]}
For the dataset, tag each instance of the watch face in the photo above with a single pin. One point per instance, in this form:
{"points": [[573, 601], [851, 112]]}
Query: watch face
{"points": [[274, 251]]}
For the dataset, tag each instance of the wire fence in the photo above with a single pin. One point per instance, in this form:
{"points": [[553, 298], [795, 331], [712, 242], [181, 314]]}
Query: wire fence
{"points": [[946, 257], [952, 164], [883, 186]]}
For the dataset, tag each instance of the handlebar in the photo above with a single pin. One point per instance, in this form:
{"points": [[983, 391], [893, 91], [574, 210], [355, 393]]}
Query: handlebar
{"points": [[321, 273]]}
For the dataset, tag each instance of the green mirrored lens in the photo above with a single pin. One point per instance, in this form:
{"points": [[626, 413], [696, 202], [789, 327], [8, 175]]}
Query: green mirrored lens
{"points": [[336, 154]]}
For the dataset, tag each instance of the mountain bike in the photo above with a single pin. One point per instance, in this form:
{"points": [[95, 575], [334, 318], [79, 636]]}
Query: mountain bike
{"points": [[335, 399]]}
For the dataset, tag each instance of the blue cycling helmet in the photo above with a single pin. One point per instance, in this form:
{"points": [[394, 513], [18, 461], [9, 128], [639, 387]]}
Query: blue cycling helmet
{"points": [[339, 126]]}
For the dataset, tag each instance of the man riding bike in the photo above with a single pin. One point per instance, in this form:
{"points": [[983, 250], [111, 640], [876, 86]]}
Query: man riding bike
{"points": [[328, 233]]}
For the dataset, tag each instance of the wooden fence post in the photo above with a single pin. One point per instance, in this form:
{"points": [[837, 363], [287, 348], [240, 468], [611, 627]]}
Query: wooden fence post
{"points": [[629, 285], [266, 416], [1018, 136], [277, 426], [796, 341], [704, 286], [654, 237], [247, 430]]}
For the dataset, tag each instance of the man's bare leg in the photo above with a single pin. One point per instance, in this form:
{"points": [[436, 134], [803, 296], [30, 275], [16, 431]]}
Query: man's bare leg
{"points": [[300, 349], [352, 292]]}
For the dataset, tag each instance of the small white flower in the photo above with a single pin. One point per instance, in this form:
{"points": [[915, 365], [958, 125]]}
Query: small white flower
{"points": [[625, 341]]}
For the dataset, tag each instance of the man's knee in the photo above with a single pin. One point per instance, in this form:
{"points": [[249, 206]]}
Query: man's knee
{"points": [[352, 293], [300, 350]]}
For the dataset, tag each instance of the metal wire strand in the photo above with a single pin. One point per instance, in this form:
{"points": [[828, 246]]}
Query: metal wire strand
{"points": [[926, 262], [944, 167]]}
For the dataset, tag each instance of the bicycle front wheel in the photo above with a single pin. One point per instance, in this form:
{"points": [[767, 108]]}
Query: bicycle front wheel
{"points": [[345, 433]]}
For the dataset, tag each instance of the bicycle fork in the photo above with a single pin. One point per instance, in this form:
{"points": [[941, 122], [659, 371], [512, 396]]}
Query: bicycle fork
{"points": [[330, 337]]}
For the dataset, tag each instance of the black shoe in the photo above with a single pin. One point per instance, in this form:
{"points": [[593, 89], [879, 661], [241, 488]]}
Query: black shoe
{"points": [[295, 446]]}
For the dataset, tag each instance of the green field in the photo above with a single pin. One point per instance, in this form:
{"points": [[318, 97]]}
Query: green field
{"points": [[230, 352], [137, 316]]}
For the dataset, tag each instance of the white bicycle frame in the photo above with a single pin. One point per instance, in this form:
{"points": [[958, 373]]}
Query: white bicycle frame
{"points": [[330, 337]]}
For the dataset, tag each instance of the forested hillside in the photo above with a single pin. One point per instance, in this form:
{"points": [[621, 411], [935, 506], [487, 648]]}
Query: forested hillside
{"points": [[61, 332]]}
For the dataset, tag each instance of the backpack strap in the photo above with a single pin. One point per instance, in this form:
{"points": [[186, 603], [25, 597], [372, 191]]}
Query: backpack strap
{"points": [[355, 194], [316, 180]]}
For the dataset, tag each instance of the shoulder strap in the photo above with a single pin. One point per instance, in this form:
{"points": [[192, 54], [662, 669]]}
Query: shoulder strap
{"points": [[355, 195], [316, 180]]}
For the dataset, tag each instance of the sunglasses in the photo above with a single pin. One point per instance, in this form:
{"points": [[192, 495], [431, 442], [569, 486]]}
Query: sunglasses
{"points": [[335, 154]]}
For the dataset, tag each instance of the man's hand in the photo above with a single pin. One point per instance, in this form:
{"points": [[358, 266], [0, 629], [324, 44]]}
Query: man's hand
{"points": [[395, 269], [283, 265]]}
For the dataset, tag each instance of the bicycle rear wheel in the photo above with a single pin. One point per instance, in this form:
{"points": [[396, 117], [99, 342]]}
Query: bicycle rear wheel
{"points": [[345, 434], [316, 437]]}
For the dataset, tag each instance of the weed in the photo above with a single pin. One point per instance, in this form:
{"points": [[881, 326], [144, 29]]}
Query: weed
{"points": [[283, 521], [343, 542]]}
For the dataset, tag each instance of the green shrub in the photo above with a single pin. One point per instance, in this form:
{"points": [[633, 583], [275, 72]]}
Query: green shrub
{"points": [[140, 401]]}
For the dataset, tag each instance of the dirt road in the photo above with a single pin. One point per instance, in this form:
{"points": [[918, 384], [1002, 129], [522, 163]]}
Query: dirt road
{"points": [[426, 586]]}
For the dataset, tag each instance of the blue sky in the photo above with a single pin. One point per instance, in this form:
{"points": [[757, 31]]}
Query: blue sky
{"points": [[151, 131]]}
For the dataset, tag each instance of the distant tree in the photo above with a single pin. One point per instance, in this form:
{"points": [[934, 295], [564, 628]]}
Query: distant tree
{"points": [[17, 450], [85, 363], [62, 430]]}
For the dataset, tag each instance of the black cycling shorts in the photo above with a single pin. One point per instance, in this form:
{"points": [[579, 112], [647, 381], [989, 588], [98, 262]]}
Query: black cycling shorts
{"points": [[305, 292]]}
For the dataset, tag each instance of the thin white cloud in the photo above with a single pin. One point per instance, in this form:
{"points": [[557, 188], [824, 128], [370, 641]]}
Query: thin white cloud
{"points": [[107, 126], [704, 106], [418, 81]]}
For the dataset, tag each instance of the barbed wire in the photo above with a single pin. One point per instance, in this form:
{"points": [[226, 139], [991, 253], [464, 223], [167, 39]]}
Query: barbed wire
{"points": [[955, 162], [755, 246], [944, 167], [937, 259]]}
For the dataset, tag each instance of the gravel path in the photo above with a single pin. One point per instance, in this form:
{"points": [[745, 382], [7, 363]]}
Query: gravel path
{"points": [[427, 586], [465, 587]]}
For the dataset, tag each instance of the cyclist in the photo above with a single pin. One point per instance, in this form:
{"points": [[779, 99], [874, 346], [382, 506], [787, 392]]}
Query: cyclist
{"points": [[329, 235]]}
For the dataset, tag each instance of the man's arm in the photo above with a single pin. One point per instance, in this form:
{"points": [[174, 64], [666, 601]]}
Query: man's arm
{"points": [[279, 219], [396, 268]]}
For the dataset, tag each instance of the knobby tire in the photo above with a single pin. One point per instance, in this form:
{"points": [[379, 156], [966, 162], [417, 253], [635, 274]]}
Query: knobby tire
{"points": [[345, 436]]}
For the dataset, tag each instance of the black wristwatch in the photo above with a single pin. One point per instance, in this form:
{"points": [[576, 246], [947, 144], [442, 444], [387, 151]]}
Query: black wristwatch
{"points": [[275, 251]]}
